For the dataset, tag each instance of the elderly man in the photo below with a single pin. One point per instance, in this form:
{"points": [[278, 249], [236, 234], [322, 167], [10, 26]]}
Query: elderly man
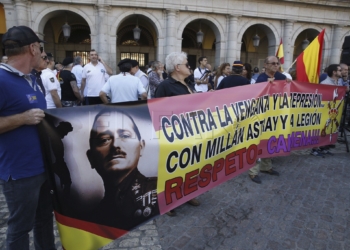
{"points": [[22, 172], [78, 70], [116, 146], [51, 84], [271, 73], [178, 70], [123, 87], [95, 75]]}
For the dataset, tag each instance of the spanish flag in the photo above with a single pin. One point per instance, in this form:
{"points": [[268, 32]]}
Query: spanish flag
{"points": [[280, 54], [309, 61]]}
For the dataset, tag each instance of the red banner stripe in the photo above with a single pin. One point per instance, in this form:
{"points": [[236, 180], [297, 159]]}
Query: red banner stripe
{"points": [[100, 230]]}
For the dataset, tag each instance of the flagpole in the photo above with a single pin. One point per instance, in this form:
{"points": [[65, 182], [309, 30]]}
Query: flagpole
{"points": [[291, 66]]}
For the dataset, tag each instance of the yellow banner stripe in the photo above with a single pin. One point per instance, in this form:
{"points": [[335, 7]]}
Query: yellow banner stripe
{"points": [[73, 239]]}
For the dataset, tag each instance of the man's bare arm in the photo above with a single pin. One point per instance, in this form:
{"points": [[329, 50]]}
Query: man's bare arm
{"points": [[109, 70], [103, 97], [143, 96], [29, 117], [56, 99], [75, 88]]}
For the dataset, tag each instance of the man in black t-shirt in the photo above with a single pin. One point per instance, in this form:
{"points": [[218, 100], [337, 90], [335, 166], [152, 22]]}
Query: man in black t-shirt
{"points": [[70, 94]]}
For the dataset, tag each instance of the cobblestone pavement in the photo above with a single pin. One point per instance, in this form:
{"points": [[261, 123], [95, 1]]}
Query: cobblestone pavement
{"points": [[307, 207]]}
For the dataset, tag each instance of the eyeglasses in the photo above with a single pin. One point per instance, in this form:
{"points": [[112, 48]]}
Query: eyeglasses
{"points": [[186, 64], [41, 48], [274, 63], [44, 58]]}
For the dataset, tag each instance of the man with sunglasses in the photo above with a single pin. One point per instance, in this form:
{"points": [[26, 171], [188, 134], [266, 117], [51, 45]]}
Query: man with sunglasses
{"points": [[271, 74], [22, 172], [333, 75]]}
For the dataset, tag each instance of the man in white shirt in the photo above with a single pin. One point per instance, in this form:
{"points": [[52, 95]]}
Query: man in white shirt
{"points": [[95, 74], [135, 70], [51, 85], [78, 70], [200, 75], [123, 87]]}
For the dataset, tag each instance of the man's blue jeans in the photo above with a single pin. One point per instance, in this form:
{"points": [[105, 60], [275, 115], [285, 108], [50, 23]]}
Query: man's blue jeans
{"points": [[30, 206]]}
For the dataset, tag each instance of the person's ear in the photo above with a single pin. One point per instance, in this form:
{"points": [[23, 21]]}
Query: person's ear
{"points": [[90, 158], [142, 146]]}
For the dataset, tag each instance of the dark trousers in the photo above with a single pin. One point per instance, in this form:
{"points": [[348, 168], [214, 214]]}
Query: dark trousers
{"points": [[88, 100], [30, 206]]}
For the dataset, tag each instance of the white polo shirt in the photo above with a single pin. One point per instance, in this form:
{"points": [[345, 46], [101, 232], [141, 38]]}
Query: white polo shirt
{"points": [[95, 76], [198, 76], [50, 83], [123, 88]]}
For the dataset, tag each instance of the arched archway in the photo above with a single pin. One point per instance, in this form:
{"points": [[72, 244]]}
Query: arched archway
{"points": [[212, 39], [268, 42], [50, 26], [145, 49]]}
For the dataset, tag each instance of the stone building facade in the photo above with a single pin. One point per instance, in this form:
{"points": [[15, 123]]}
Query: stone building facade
{"points": [[166, 26]]}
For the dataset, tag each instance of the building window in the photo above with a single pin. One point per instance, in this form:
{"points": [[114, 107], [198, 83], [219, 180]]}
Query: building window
{"points": [[83, 54], [142, 58]]}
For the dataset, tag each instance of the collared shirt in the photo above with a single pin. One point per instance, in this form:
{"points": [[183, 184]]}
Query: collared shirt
{"points": [[329, 81], [20, 150], [38, 80], [171, 87], [123, 88], [50, 83]]}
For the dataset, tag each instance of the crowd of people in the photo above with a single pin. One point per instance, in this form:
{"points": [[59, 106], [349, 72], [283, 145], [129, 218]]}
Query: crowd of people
{"points": [[31, 81]]}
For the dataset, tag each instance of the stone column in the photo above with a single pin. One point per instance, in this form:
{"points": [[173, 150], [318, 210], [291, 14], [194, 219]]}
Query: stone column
{"points": [[170, 31], [232, 39], [22, 12], [336, 44], [113, 52], [10, 15], [288, 47], [160, 50], [102, 28]]}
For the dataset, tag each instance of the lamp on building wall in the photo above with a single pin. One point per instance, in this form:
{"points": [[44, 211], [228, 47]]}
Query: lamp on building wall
{"points": [[66, 30], [137, 31], [200, 34], [305, 43], [256, 40]]}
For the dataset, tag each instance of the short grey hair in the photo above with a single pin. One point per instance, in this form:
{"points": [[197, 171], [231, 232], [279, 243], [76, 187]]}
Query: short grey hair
{"points": [[77, 60], [173, 59], [156, 64]]}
